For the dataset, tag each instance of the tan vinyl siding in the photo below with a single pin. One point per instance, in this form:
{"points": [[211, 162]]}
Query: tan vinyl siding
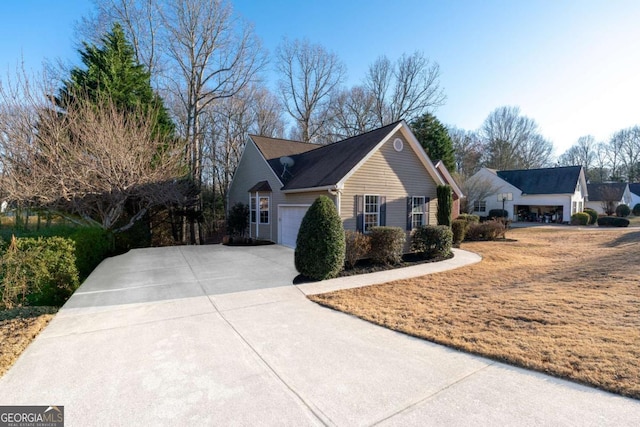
{"points": [[305, 198], [396, 175]]}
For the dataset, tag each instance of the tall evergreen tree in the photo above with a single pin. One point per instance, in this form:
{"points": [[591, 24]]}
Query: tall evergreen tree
{"points": [[111, 74], [435, 139]]}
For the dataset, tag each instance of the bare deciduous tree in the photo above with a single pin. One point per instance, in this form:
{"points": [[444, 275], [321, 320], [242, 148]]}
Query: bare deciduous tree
{"points": [[513, 141], [90, 160], [627, 144], [601, 172], [582, 153], [309, 77], [467, 150], [404, 90], [353, 113], [141, 22]]}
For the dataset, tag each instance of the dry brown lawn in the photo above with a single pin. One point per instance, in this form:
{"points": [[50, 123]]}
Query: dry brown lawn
{"points": [[18, 327], [561, 300]]}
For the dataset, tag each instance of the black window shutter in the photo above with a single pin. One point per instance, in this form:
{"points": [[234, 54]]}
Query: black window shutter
{"points": [[409, 212], [383, 210], [426, 210], [358, 205]]}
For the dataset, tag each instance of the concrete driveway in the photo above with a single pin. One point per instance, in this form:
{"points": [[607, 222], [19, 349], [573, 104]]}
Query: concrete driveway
{"points": [[217, 335]]}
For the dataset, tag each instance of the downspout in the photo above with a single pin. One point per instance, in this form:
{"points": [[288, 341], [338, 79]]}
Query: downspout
{"points": [[337, 193]]}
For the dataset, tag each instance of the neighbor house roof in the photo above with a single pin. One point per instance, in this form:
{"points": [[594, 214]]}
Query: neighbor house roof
{"points": [[318, 165], [635, 188], [274, 148], [560, 180], [609, 191]]}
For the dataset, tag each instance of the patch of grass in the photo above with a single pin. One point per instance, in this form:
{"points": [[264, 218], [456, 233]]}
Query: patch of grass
{"points": [[564, 302], [18, 327], [634, 221]]}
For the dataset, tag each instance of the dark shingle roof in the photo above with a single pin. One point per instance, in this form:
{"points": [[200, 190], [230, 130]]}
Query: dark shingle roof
{"points": [[319, 166], [606, 191], [561, 180], [260, 187], [635, 188]]}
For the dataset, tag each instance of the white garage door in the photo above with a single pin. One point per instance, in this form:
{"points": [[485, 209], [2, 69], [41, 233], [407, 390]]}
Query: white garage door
{"points": [[290, 218]]}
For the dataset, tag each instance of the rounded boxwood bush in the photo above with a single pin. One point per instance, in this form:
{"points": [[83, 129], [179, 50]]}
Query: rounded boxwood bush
{"points": [[612, 221], [320, 246], [387, 244], [580, 218], [357, 247], [623, 210], [636, 209], [593, 215], [432, 241]]}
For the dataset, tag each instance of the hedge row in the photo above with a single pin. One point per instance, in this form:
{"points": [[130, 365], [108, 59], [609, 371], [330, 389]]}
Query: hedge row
{"points": [[47, 270], [612, 221]]}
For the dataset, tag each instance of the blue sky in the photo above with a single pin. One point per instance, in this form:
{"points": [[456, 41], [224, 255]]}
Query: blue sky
{"points": [[573, 66]]}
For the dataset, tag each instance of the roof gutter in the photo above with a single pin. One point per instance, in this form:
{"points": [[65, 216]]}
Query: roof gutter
{"points": [[329, 188]]}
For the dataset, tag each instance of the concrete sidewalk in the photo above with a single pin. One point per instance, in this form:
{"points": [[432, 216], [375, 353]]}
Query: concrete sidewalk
{"points": [[216, 335]]}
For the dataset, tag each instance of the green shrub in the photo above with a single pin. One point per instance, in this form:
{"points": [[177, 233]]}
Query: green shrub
{"points": [[93, 245], [459, 229], [580, 218], [612, 221], [593, 215], [38, 271], [387, 244], [636, 209], [445, 203], [320, 246], [498, 213], [623, 210], [238, 219], [357, 247], [469, 217], [431, 241], [488, 230]]}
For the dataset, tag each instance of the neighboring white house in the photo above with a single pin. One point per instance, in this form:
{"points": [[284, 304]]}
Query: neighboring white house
{"points": [[539, 195], [608, 195], [635, 194]]}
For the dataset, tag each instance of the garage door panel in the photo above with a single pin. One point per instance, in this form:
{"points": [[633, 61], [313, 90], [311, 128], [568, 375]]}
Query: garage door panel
{"points": [[290, 218]]}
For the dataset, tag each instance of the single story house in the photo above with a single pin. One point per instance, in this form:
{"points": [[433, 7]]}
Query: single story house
{"points": [[382, 177], [538, 195], [635, 194], [608, 195]]}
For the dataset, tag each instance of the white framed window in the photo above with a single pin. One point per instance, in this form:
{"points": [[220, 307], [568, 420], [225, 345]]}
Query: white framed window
{"points": [[480, 206], [253, 209], [418, 214], [371, 212], [574, 207], [264, 209]]}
